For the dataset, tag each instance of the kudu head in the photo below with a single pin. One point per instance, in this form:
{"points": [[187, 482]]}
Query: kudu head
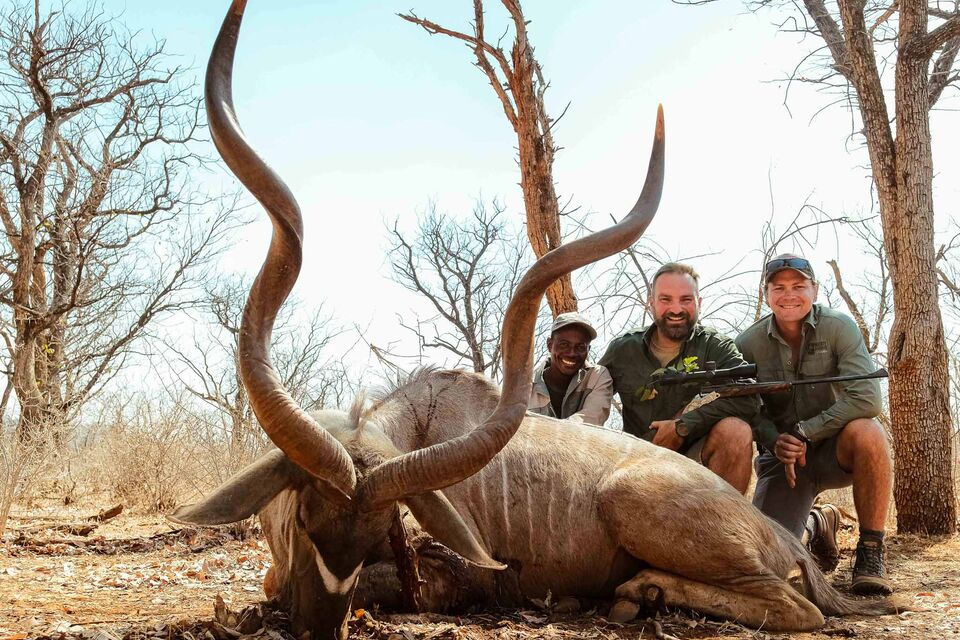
{"points": [[345, 475]]}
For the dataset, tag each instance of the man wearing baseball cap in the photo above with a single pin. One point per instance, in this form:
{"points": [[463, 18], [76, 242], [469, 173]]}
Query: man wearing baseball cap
{"points": [[818, 436], [565, 384]]}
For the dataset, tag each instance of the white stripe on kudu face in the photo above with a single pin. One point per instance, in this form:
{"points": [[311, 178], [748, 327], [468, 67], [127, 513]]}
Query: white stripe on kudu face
{"points": [[332, 583]]}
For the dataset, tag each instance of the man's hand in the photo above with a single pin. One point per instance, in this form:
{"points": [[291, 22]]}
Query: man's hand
{"points": [[790, 451], [666, 435]]}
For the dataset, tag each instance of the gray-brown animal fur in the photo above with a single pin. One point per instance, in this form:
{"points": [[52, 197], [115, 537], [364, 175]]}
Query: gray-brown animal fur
{"points": [[579, 510]]}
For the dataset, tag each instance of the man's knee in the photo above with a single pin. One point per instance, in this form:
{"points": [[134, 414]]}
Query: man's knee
{"points": [[859, 437], [732, 436]]}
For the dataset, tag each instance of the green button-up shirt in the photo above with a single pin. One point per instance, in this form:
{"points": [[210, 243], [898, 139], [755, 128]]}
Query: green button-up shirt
{"points": [[630, 362], [832, 345]]}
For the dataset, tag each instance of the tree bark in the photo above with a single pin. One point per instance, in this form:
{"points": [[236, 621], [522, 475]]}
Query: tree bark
{"points": [[536, 176], [917, 351], [919, 377]]}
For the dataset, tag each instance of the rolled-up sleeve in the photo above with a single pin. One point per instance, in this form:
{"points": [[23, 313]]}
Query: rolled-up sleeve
{"points": [[855, 399]]}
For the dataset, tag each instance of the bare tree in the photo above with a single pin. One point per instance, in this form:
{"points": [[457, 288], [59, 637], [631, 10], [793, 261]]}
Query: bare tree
{"points": [[862, 43], [467, 271], [102, 234], [519, 83], [870, 299], [209, 372]]}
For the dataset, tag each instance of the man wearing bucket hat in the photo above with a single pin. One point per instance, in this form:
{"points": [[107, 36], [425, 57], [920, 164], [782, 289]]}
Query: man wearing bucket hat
{"points": [[818, 436], [565, 384]]}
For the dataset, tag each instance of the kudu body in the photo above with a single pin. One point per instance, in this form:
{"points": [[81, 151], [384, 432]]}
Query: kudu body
{"points": [[579, 510]]}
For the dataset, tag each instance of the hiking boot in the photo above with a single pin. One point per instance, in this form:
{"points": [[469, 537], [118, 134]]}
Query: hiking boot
{"points": [[823, 543], [869, 575]]}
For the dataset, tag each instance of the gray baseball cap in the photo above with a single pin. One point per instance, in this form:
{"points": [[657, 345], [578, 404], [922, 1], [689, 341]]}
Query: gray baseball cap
{"points": [[788, 261], [572, 318]]}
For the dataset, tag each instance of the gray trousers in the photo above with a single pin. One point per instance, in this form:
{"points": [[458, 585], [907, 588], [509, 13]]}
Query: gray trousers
{"points": [[790, 507]]}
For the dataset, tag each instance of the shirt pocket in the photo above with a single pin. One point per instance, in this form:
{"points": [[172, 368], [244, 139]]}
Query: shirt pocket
{"points": [[817, 365]]}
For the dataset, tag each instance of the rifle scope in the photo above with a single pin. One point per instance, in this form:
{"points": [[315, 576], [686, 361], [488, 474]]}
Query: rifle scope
{"points": [[709, 375]]}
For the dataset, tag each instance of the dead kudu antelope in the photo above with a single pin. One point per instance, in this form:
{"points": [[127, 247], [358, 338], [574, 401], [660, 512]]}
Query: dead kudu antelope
{"points": [[579, 510]]}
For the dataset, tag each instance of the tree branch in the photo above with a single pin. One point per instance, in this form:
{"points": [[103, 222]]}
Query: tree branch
{"points": [[851, 304], [935, 39], [940, 75], [481, 49], [832, 36]]}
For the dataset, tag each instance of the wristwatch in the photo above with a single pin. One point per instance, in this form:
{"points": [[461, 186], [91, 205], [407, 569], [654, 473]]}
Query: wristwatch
{"points": [[797, 432], [682, 430]]}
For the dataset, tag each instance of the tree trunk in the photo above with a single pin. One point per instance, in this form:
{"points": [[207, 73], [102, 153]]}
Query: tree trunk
{"points": [[919, 378], [528, 117], [917, 358], [536, 175]]}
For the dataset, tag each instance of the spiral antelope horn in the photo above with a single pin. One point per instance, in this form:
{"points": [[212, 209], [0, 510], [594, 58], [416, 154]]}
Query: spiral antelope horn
{"points": [[312, 448]]}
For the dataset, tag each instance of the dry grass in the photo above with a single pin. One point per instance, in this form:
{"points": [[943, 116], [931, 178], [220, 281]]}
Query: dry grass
{"points": [[147, 458]]}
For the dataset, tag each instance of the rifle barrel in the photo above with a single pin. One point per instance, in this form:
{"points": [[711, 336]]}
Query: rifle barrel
{"points": [[733, 390]]}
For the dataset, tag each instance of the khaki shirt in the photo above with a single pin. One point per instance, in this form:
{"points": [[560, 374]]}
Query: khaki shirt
{"points": [[832, 346], [587, 399]]}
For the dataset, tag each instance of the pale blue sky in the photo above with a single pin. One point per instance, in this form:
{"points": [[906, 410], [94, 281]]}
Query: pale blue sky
{"points": [[368, 117]]}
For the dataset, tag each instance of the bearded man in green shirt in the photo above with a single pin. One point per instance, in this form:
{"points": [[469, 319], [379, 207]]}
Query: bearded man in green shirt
{"points": [[716, 434], [818, 436]]}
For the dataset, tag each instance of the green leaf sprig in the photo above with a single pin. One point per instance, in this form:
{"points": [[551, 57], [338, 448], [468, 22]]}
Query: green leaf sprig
{"points": [[649, 391]]}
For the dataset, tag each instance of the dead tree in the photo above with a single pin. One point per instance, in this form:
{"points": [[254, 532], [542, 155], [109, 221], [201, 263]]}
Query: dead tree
{"points": [[102, 233], [872, 304], [518, 81], [467, 271]]}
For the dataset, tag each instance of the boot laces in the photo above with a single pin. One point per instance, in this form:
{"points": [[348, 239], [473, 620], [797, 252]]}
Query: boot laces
{"points": [[869, 559]]}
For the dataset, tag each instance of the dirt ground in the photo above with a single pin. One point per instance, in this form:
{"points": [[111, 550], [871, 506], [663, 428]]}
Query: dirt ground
{"points": [[139, 577]]}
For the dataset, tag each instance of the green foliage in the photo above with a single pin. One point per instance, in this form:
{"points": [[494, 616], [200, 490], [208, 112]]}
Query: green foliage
{"points": [[649, 390]]}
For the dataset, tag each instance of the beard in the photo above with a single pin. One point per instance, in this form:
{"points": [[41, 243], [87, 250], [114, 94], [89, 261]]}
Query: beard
{"points": [[676, 331]]}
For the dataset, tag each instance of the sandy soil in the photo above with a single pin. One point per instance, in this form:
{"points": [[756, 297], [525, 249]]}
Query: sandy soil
{"points": [[140, 577]]}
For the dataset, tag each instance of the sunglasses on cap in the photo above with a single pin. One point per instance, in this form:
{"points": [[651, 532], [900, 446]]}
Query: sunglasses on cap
{"points": [[800, 264]]}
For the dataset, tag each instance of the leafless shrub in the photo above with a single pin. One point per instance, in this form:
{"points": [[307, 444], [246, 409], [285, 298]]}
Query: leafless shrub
{"points": [[23, 461], [145, 453], [208, 370]]}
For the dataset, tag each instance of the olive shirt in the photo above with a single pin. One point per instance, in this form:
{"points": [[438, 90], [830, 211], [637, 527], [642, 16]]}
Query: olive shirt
{"points": [[832, 345], [631, 362]]}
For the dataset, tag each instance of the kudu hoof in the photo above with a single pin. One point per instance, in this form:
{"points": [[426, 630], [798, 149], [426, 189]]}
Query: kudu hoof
{"points": [[623, 610], [653, 598]]}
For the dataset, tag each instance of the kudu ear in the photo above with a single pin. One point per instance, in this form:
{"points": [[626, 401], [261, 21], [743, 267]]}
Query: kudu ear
{"points": [[438, 517], [244, 494]]}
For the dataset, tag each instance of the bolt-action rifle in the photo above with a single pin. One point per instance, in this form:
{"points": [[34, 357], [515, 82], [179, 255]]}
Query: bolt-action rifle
{"points": [[707, 380]]}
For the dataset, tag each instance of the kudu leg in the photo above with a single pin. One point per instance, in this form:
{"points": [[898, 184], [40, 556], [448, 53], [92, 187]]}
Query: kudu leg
{"points": [[696, 532], [770, 604]]}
